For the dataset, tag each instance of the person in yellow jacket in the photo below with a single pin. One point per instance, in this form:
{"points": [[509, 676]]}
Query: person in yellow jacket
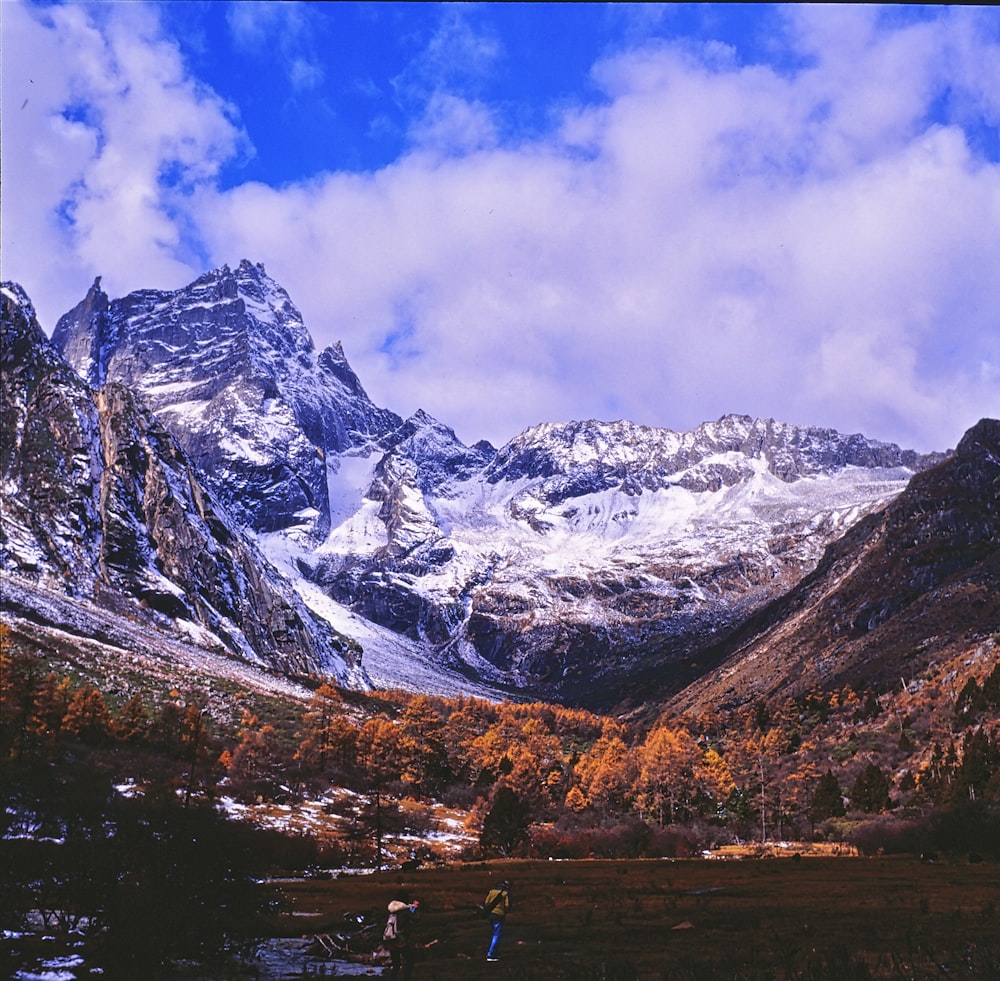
{"points": [[497, 906]]}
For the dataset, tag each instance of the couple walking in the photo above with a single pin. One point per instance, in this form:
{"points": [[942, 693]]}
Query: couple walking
{"points": [[398, 940]]}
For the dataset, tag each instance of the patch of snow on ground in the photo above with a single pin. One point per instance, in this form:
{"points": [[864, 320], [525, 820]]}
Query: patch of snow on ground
{"points": [[331, 814], [55, 969]]}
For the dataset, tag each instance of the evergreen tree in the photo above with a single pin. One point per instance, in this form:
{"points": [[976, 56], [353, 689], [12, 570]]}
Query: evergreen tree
{"points": [[870, 792], [980, 761], [827, 800], [506, 824]]}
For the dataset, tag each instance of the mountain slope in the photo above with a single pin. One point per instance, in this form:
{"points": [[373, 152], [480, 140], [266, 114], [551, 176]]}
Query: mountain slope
{"points": [[582, 561], [907, 588], [99, 501]]}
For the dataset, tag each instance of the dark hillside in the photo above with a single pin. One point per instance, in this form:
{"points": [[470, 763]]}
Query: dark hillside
{"points": [[909, 586]]}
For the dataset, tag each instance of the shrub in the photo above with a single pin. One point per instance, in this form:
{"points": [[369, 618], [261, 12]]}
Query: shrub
{"points": [[967, 829], [890, 836], [973, 827]]}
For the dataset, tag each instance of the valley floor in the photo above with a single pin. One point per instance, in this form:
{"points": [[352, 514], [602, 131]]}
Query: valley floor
{"points": [[815, 918]]}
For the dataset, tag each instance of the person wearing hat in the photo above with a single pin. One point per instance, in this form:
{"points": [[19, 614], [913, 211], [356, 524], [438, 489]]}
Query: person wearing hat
{"points": [[397, 937], [497, 906]]}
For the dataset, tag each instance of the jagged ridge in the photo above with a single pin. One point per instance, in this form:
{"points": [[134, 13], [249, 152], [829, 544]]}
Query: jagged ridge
{"points": [[100, 502], [576, 558], [227, 364]]}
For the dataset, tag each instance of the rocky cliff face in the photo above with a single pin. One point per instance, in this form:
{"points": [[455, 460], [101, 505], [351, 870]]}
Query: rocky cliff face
{"points": [[100, 502], [905, 589], [582, 561], [228, 366]]}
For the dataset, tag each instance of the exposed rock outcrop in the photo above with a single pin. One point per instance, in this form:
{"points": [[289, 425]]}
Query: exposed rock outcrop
{"points": [[100, 500]]}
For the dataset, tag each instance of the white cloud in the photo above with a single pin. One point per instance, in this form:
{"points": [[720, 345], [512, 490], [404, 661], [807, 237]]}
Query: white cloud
{"points": [[708, 238], [456, 58], [279, 29], [451, 125], [100, 162], [729, 239]]}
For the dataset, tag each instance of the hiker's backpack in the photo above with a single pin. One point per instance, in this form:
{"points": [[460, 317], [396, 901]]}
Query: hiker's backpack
{"points": [[493, 904], [391, 932]]}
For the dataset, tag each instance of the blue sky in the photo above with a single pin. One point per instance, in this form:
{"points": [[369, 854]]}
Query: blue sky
{"points": [[518, 213], [323, 87]]}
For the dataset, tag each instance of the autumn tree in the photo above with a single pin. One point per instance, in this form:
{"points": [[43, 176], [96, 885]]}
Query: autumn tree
{"points": [[422, 747], [328, 738], [193, 739], [380, 758], [466, 721], [132, 724], [754, 758], [575, 800], [520, 748], [539, 766], [606, 773], [251, 766], [87, 716], [50, 704], [666, 772], [713, 776], [17, 692]]}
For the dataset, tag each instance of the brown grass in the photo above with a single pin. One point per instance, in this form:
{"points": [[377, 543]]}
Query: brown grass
{"points": [[814, 918]]}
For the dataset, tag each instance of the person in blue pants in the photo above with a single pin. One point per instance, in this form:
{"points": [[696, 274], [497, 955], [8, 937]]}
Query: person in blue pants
{"points": [[497, 905]]}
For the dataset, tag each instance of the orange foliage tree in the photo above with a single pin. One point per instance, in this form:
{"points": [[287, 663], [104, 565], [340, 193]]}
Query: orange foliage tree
{"points": [[666, 772], [87, 716], [328, 737], [606, 772]]}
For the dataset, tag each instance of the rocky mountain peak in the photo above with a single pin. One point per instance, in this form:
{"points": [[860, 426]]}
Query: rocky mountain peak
{"points": [[334, 362], [33, 376], [438, 454], [583, 457], [19, 325], [86, 350], [981, 442], [228, 364], [100, 504]]}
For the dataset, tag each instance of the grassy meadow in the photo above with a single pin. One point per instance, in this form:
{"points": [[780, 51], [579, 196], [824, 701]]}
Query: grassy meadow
{"points": [[811, 918]]}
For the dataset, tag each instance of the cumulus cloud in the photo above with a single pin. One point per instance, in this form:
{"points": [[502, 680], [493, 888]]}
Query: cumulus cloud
{"points": [[709, 238], [817, 243], [105, 140]]}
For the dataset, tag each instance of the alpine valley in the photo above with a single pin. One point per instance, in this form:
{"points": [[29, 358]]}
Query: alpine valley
{"points": [[186, 465]]}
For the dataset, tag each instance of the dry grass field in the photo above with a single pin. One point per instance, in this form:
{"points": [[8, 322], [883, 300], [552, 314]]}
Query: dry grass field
{"points": [[811, 918]]}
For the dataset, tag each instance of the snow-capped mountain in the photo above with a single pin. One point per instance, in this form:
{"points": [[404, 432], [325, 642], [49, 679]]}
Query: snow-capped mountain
{"points": [[100, 504], [585, 554], [229, 368], [575, 562], [904, 594]]}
